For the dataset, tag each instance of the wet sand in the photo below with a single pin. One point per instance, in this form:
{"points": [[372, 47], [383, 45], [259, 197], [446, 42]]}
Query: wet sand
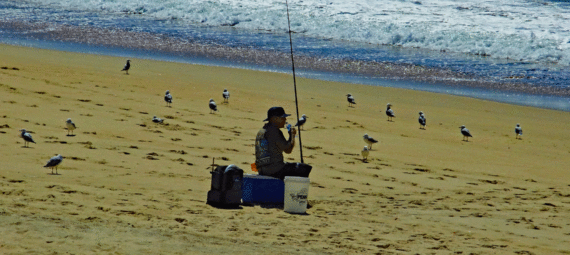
{"points": [[131, 186], [48, 34]]}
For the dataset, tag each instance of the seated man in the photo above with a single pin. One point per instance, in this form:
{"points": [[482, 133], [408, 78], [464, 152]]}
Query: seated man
{"points": [[270, 145]]}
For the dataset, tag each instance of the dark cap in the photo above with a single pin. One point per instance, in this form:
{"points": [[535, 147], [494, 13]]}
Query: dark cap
{"points": [[276, 111]]}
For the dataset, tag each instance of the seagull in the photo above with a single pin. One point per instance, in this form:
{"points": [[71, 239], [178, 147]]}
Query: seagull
{"points": [[518, 131], [54, 162], [156, 120], [70, 126], [168, 98], [127, 66], [27, 137], [369, 140], [389, 112], [422, 120], [465, 133], [301, 121], [365, 153], [350, 100], [213, 106], [226, 95]]}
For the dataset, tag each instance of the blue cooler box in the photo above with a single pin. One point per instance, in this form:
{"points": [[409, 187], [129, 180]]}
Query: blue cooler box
{"points": [[259, 189]]}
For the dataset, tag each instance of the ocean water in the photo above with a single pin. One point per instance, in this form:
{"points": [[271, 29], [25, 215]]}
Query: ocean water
{"points": [[515, 51]]}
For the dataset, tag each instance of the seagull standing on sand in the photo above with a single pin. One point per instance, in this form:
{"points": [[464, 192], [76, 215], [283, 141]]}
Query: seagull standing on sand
{"points": [[369, 140], [127, 66], [389, 112], [365, 153], [70, 126], [156, 120], [168, 98], [27, 137], [301, 121], [54, 162], [213, 106], [466, 133], [350, 99], [422, 120], [518, 131], [226, 95]]}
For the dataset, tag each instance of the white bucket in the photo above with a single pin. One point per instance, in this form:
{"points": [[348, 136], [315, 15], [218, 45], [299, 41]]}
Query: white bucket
{"points": [[296, 193]]}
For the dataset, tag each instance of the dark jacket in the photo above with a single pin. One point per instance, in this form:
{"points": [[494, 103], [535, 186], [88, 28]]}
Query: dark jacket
{"points": [[269, 147]]}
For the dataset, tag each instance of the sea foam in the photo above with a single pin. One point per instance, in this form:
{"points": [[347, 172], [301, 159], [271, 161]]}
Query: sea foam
{"points": [[520, 30]]}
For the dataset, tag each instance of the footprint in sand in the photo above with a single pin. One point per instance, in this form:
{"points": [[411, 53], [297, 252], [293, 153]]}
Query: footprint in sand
{"points": [[75, 158], [181, 160], [152, 156], [88, 145], [423, 170], [314, 184], [491, 181], [10, 68]]}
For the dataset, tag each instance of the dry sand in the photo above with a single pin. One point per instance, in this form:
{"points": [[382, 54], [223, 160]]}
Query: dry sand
{"points": [[130, 186]]}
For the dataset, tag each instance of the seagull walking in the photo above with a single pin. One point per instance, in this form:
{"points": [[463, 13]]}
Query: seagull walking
{"points": [[350, 99], [70, 126], [369, 140], [390, 112], [168, 98], [466, 133], [213, 106], [226, 96], [365, 153], [422, 120], [54, 162], [518, 131], [127, 66], [27, 137], [156, 120], [301, 121]]}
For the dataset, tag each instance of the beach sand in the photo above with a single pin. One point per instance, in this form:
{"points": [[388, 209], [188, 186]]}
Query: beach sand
{"points": [[131, 186]]}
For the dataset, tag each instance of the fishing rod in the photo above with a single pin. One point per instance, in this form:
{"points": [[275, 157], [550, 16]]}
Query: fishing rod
{"points": [[294, 80]]}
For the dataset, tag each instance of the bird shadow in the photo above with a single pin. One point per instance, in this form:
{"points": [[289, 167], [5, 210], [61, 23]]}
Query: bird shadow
{"points": [[53, 174], [365, 161], [71, 135]]}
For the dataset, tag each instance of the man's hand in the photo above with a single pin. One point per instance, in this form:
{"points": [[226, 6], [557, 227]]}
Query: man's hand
{"points": [[293, 131]]}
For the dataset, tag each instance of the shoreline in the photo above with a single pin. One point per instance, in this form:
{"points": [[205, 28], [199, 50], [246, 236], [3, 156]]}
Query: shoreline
{"points": [[551, 100], [128, 185], [162, 47]]}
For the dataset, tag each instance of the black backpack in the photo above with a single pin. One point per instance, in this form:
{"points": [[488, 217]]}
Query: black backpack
{"points": [[226, 186]]}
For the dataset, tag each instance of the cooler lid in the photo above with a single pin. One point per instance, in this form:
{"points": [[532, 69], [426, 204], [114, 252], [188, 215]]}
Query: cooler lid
{"points": [[296, 179]]}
